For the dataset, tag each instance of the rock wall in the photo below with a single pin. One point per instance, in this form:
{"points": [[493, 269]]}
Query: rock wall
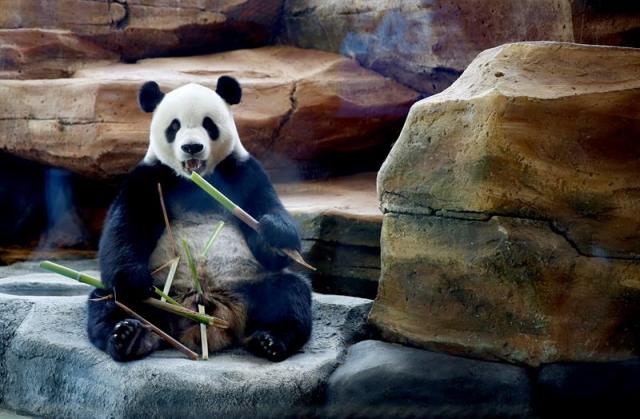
{"points": [[135, 29], [304, 113], [511, 201], [427, 45]]}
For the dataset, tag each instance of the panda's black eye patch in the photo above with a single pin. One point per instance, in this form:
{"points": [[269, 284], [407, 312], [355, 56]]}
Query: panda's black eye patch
{"points": [[211, 128], [172, 130]]}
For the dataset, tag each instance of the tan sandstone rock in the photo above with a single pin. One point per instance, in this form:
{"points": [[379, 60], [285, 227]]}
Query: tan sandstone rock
{"points": [[512, 200], [138, 28], [46, 54], [302, 111]]}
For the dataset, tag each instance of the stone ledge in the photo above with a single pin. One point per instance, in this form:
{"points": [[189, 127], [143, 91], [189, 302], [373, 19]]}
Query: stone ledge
{"points": [[49, 368]]}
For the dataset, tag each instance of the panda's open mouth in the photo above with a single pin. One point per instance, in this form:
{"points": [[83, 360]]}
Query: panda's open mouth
{"points": [[193, 165]]}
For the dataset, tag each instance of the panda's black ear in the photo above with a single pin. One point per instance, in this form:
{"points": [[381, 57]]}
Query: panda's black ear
{"points": [[149, 96], [229, 89]]}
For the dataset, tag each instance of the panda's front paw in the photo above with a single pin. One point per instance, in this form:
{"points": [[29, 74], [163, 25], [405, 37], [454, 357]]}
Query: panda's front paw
{"points": [[124, 344], [279, 232], [266, 345]]}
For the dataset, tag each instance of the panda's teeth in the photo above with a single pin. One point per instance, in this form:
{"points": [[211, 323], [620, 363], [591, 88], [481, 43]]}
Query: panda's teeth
{"points": [[192, 165]]}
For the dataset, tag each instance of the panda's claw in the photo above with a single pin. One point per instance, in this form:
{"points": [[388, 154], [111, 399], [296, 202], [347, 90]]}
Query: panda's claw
{"points": [[264, 344]]}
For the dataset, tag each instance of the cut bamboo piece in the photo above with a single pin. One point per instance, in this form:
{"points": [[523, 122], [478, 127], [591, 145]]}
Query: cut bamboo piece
{"points": [[172, 308], [169, 281], [161, 267], [203, 335], [243, 215]]}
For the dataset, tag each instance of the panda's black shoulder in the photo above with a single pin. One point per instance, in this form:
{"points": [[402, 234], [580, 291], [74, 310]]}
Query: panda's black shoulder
{"points": [[244, 174], [240, 178]]}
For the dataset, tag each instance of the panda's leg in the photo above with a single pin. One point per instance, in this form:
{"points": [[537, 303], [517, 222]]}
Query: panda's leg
{"points": [[122, 337], [278, 315]]}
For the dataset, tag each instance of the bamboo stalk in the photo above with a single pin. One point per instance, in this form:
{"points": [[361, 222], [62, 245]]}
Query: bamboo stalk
{"points": [[196, 282], [166, 221], [165, 297], [242, 215], [176, 309], [192, 267], [190, 314], [161, 267], [213, 238], [171, 341], [70, 273], [203, 335], [172, 274]]}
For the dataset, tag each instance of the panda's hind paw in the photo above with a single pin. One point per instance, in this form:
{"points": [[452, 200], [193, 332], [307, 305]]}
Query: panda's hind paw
{"points": [[266, 345], [125, 342]]}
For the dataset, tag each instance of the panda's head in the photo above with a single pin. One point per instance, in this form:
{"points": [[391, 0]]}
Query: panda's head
{"points": [[192, 129]]}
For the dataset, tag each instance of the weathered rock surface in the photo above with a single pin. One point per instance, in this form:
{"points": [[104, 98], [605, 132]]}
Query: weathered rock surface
{"points": [[49, 369], [379, 379], [303, 111], [47, 54], [606, 22], [427, 45], [137, 29], [511, 203], [340, 225]]}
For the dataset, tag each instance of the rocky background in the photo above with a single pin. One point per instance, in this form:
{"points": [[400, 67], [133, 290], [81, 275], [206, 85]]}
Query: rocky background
{"points": [[501, 245]]}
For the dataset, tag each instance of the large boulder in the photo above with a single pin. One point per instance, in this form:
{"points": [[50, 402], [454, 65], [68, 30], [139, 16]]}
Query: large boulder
{"points": [[427, 44], [136, 29], [304, 112], [48, 368], [511, 201]]}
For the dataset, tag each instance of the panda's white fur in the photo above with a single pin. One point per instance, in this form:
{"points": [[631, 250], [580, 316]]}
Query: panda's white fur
{"points": [[190, 104], [229, 259]]}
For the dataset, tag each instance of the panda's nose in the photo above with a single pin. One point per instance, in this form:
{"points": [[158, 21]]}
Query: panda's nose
{"points": [[192, 148]]}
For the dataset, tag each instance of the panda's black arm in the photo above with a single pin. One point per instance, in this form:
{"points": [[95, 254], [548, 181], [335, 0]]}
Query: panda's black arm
{"points": [[247, 184], [133, 226]]}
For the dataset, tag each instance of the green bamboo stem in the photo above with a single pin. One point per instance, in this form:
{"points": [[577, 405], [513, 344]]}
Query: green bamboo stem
{"points": [[192, 267], [73, 274], [166, 297], [243, 215], [173, 307]]}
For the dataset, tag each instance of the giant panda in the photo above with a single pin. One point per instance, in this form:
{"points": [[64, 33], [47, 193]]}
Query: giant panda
{"points": [[244, 276]]}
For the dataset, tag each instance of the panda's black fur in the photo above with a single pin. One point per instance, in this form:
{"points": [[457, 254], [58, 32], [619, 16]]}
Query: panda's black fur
{"points": [[270, 314]]}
